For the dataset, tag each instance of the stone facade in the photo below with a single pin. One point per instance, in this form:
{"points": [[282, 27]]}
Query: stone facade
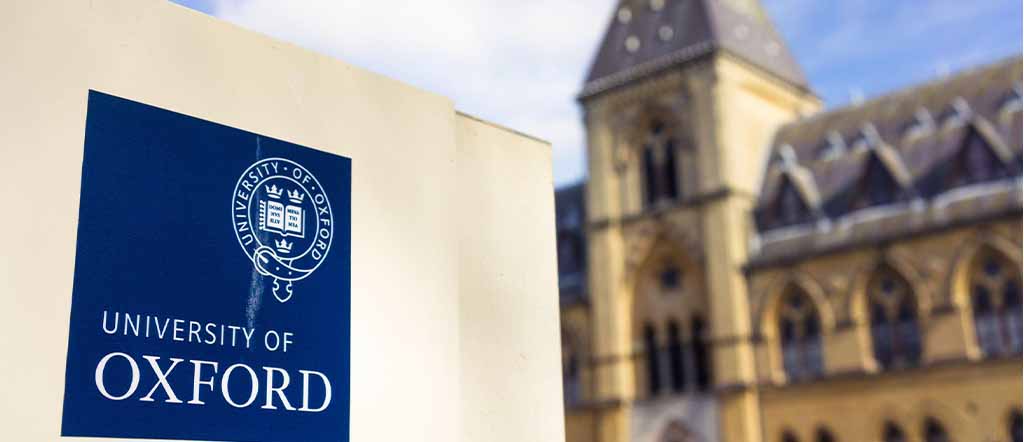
{"points": [[759, 270]]}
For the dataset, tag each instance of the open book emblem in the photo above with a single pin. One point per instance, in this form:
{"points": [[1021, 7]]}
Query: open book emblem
{"points": [[282, 220]]}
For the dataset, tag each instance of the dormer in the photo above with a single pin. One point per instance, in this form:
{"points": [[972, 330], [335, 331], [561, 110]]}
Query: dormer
{"points": [[981, 157], [793, 197], [884, 179]]}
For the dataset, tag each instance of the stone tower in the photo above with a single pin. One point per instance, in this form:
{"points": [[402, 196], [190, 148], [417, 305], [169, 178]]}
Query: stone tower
{"points": [[680, 105]]}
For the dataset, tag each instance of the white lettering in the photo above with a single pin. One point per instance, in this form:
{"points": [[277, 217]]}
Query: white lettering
{"points": [[113, 329], [103, 366], [224, 386], [197, 377], [305, 391], [161, 379], [271, 389]]}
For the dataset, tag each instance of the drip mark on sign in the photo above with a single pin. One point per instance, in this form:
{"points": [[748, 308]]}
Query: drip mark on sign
{"points": [[255, 297]]}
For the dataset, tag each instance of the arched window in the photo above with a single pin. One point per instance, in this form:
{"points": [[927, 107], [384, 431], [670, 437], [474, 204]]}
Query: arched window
{"points": [[701, 356], [788, 436], [894, 325], [661, 175], [934, 431], [996, 300], [799, 336], [893, 433], [675, 358], [653, 360], [1016, 427], [651, 193], [823, 434]]}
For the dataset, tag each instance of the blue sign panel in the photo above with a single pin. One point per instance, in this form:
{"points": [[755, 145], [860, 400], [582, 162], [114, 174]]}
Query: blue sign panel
{"points": [[211, 289]]}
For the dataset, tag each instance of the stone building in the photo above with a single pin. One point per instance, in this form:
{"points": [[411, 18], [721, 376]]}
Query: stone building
{"points": [[742, 266]]}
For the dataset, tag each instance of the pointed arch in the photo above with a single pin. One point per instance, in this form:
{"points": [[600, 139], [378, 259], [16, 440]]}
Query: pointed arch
{"points": [[893, 310], [995, 292], [768, 308], [665, 290], [655, 243], [957, 292], [795, 334], [856, 300], [656, 137]]}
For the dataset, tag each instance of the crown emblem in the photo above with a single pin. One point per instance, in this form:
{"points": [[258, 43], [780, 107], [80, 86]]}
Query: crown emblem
{"points": [[283, 246], [274, 192], [295, 196]]}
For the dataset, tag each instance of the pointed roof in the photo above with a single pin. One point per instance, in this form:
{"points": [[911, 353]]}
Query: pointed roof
{"points": [[836, 146], [648, 36]]}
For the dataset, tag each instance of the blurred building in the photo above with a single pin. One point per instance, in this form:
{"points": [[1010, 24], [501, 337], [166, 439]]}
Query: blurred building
{"points": [[743, 267]]}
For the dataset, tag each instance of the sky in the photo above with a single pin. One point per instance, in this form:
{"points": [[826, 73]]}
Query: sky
{"points": [[521, 63]]}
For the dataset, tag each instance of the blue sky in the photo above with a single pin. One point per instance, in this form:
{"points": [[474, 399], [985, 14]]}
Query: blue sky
{"points": [[521, 63]]}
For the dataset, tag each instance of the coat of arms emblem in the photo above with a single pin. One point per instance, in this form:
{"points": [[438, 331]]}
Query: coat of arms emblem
{"points": [[282, 220]]}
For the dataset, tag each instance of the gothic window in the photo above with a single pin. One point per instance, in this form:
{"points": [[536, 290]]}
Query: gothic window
{"points": [[893, 433], [669, 171], [1016, 427], [996, 300], [894, 325], [934, 431], [653, 361], [651, 193], [799, 336], [701, 356], [823, 435], [660, 170], [675, 358]]}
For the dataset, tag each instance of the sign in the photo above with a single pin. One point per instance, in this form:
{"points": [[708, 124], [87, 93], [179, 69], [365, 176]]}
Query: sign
{"points": [[211, 288]]}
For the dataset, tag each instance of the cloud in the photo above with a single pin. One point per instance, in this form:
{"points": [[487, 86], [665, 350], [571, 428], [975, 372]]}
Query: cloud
{"points": [[518, 64], [521, 63]]}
